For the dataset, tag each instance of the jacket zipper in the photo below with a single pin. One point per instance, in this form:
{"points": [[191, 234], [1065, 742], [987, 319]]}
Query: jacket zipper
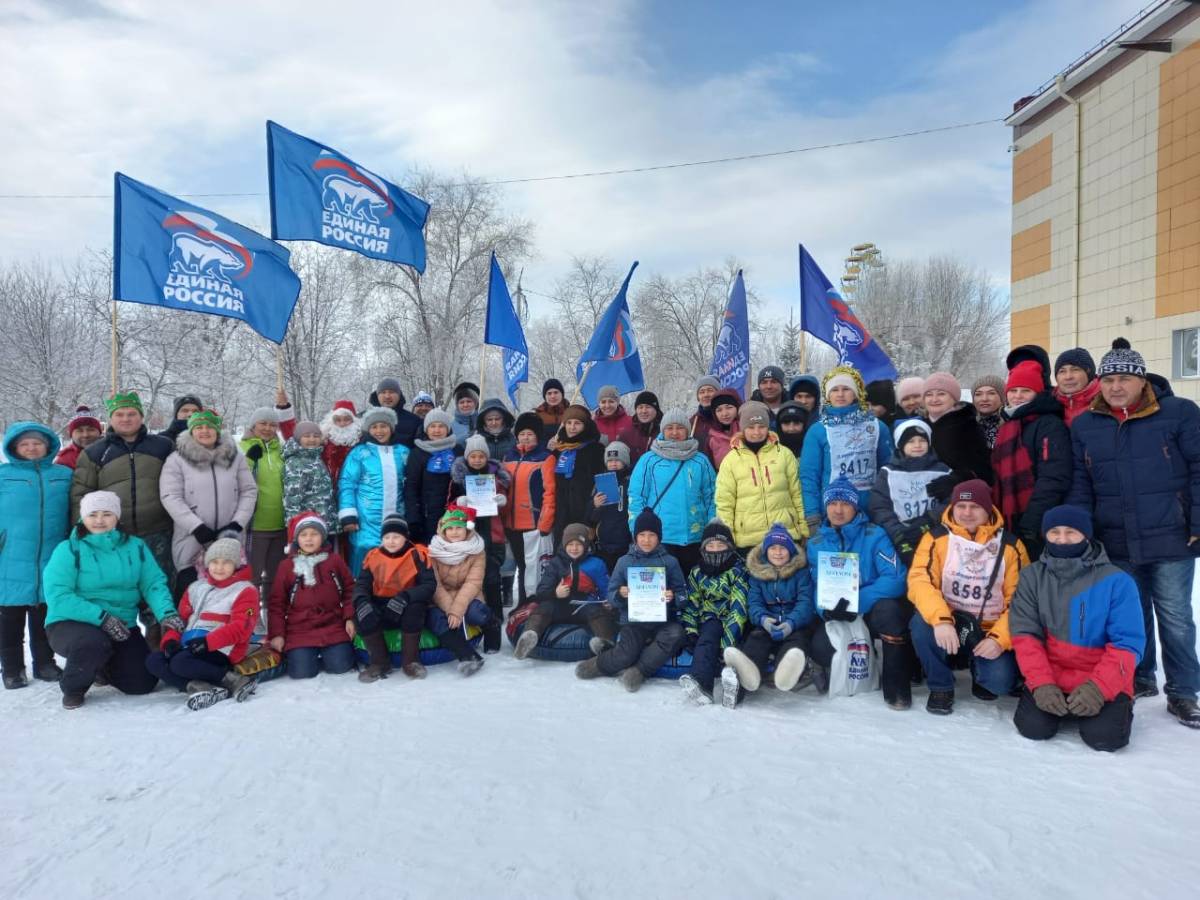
{"points": [[41, 531], [216, 496]]}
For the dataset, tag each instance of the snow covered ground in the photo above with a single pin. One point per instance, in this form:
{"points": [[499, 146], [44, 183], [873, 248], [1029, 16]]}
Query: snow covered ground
{"points": [[523, 782]]}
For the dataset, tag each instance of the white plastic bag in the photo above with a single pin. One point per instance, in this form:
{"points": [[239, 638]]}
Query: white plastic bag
{"points": [[855, 668]]}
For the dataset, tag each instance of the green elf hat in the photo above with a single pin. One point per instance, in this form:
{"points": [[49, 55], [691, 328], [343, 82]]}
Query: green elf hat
{"points": [[207, 417], [127, 400], [462, 517]]}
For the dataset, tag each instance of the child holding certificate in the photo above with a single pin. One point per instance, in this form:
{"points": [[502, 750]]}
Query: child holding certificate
{"points": [[648, 587], [478, 481], [847, 543]]}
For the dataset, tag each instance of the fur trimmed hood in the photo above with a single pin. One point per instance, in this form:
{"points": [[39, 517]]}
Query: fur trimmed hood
{"points": [[223, 454], [758, 567]]}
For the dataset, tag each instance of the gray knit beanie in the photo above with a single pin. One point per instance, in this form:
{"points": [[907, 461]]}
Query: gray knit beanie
{"points": [[378, 414]]}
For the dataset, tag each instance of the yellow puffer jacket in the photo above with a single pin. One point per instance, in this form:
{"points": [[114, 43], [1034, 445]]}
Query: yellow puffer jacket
{"points": [[929, 595], [756, 490]]}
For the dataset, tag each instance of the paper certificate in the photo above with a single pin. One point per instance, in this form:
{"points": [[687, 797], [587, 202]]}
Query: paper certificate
{"points": [[646, 585], [837, 579], [481, 494]]}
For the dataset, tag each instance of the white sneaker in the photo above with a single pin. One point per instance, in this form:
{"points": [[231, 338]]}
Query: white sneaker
{"points": [[729, 688], [789, 669], [747, 672], [693, 691]]}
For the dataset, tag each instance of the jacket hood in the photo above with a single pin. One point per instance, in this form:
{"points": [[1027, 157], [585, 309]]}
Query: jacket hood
{"points": [[816, 390], [1031, 352], [738, 441], [851, 531], [986, 531], [658, 553], [617, 413], [1093, 557], [292, 448], [1162, 387], [223, 453], [758, 567], [590, 433], [459, 471], [498, 405], [960, 414], [18, 428], [1044, 404]]}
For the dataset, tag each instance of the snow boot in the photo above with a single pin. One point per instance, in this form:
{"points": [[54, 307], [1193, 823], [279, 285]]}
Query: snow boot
{"points": [[72, 701], [748, 675], [631, 679], [15, 679], [896, 674], [1185, 711], [694, 692], [589, 668], [525, 644], [468, 667], [379, 662], [789, 669], [940, 703], [410, 655], [730, 689], [491, 639], [47, 671], [202, 695], [598, 645], [1147, 687], [979, 692], [820, 677], [240, 687]]}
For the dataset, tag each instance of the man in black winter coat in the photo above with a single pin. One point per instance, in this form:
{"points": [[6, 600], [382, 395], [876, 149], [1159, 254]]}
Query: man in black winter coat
{"points": [[408, 426]]}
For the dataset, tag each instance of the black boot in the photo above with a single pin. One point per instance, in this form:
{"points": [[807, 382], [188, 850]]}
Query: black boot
{"points": [[15, 679], [454, 641], [896, 675], [380, 663], [47, 670], [410, 655], [1186, 711]]}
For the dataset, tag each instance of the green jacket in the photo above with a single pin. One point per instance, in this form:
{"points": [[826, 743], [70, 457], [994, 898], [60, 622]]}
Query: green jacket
{"points": [[268, 474], [722, 597], [103, 573]]}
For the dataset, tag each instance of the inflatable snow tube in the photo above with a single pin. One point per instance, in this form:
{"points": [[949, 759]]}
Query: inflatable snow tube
{"points": [[263, 663], [679, 665], [559, 643], [432, 651]]}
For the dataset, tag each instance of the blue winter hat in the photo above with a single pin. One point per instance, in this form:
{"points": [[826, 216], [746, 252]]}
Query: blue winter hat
{"points": [[777, 535], [1071, 516], [841, 489]]}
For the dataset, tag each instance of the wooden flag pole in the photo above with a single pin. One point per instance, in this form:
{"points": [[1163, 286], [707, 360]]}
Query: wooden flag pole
{"points": [[115, 347], [278, 368], [483, 349], [579, 387]]}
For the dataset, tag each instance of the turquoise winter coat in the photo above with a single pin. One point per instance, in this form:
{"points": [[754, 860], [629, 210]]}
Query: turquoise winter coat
{"points": [[34, 499], [370, 486], [95, 574], [684, 502], [817, 467]]}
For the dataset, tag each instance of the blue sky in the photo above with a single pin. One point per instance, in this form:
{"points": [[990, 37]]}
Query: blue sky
{"points": [[177, 95]]}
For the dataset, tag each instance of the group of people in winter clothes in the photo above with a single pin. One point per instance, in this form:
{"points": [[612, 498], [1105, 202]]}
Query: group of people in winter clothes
{"points": [[1032, 536]]}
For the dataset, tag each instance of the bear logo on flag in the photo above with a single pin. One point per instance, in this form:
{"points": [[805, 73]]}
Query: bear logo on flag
{"points": [[353, 201]]}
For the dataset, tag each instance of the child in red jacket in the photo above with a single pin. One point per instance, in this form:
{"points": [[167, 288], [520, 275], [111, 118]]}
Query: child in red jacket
{"points": [[221, 610], [310, 613]]}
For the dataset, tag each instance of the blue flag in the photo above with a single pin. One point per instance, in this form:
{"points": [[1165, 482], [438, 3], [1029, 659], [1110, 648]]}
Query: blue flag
{"points": [[827, 317], [731, 356], [319, 195], [167, 252], [503, 329], [612, 351]]}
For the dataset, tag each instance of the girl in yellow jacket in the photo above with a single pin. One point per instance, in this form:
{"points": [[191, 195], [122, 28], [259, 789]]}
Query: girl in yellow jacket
{"points": [[963, 576], [759, 482]]}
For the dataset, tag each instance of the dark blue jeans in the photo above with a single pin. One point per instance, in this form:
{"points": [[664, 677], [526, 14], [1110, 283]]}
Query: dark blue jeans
{"points": [[998, 675], [184, 666], [477, 614], [1166, 592], [706, 656], [306, 662]]}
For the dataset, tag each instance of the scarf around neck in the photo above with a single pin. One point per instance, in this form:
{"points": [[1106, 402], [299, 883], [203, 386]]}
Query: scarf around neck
{"points": [[1014, 470], [453, 553], [305, 566], [436, 446], [675, 450]]}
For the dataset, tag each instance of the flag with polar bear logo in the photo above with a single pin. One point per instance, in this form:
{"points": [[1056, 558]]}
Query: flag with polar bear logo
{"points": [[317, 194], [174, 254]]}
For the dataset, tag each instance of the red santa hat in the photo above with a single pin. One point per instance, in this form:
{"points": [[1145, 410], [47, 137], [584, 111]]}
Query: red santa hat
{"points": [[347, 405], [300, 521]]}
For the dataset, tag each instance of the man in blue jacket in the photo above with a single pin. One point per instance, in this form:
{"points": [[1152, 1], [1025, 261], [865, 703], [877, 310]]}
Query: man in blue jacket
{"points": [[1137, 470], [881, 589]]}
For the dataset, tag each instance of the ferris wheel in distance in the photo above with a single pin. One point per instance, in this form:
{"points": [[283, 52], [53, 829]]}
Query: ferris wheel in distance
{"points": [[862, 259]]}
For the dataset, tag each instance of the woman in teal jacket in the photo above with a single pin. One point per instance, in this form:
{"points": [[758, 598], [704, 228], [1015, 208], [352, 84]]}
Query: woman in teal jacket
{"points": [[371, 485], [34, 495], [677, 481], [93, 584]]}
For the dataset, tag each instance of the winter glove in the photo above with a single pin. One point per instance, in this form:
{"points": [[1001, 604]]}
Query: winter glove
{"points": [[114, 628], [173, 623], [197, 645], [767, 623], [1085, 701], [940, 488], [906, 551], [254, 454], [367, 615], [1049, 699], [170, 648], [396, 605], [814, 523], [231, 530], [204, 534], [840, 613], [781, 632]]}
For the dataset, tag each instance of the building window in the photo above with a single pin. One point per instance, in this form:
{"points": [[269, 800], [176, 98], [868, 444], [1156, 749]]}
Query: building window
{"points": [[1185, 353]]}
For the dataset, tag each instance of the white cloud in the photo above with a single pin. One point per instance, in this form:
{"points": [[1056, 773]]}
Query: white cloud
{"points": [[177, 94]]}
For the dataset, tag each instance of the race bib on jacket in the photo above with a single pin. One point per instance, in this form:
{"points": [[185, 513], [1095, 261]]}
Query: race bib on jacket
{"points": [[910, 495], [852, 449], [967, 573]]}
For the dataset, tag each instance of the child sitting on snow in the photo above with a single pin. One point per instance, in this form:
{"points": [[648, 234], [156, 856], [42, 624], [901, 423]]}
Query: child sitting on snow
{"points": [[310, 613], [609, 515], [476, 461], [220, 611], [784, 616], [393, 590], [642, 647], [457, 553], [715, 613], [571, 590]]}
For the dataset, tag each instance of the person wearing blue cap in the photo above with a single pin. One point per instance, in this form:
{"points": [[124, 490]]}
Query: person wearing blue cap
{"points": [[881, 597], [1077, 630]]}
